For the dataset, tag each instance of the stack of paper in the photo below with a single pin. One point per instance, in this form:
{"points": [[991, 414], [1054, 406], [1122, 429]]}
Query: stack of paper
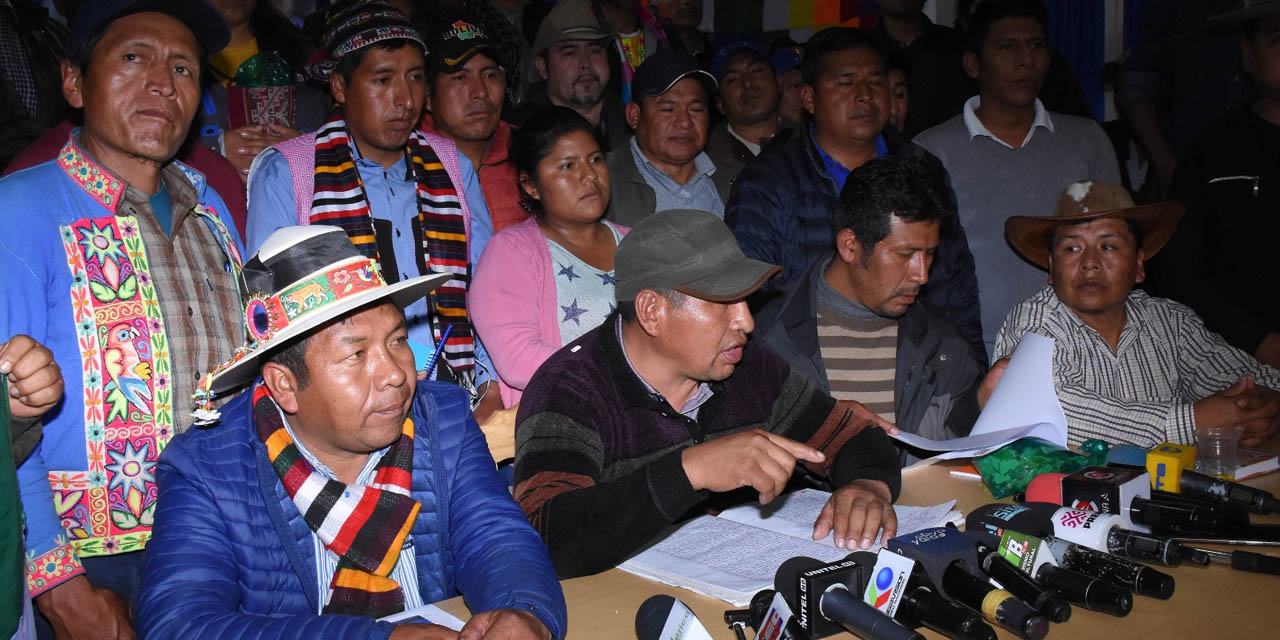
{"points": [[1024, 404], [735, 554]]}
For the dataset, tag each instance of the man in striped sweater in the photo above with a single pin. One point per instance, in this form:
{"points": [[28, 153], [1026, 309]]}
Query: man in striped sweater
{"points": [[667, 407], [853, 325]]}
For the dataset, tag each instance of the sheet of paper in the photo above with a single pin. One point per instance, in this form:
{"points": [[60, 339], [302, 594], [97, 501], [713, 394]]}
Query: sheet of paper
{"points": [[794, 513], [1023, 404], [426, 614], [723, 559], [736, 554]]}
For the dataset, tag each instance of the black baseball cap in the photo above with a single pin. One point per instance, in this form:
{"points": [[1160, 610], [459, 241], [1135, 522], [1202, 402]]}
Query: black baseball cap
{"points": [[690, 251], [455, 39], [203, 20], [732, 49], [662, 70]]}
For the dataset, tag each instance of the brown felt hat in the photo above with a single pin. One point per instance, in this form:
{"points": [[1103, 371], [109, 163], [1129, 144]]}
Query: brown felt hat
{"points": [[1085, 201]]}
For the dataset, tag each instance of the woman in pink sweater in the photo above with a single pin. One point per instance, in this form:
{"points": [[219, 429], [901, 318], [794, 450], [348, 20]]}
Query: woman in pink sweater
{"points": [[545, 281]]}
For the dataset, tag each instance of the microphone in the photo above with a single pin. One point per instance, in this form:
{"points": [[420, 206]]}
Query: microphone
{"points": [[917, 601], [1032, 556], [1122, 492], [1022, 585], [663, 617], [826, 605], [1103, 531], [996, 519], [1171, 470], [950, 561], [771, 617]]}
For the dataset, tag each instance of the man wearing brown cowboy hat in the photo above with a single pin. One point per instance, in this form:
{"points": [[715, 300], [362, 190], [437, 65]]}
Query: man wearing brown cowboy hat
{"points": [[337, 489], [1128, 366]]}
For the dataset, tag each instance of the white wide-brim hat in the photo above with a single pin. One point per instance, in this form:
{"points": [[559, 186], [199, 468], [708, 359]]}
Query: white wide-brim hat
{"points": [[299, 279]]}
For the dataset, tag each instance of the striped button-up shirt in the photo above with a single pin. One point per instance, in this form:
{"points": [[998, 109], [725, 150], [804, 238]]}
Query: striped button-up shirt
{"points": [[1144, 392], [405, 573]]}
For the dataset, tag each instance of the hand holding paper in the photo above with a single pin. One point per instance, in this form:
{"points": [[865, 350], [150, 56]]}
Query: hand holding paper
{"points": [[1023, 404]]}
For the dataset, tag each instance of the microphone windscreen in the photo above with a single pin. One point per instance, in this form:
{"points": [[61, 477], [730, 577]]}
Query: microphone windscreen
{"points": [[784, 580], [652, 615], [1127, 454], [1046, 487], [760, 606]]}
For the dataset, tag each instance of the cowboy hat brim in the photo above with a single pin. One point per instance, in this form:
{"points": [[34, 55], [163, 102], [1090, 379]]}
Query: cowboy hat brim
{"points": [[1241, 16], [1030, 235], [245, 368]]}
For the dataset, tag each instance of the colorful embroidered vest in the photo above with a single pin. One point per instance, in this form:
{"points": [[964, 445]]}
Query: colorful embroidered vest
{"points": [[126, 369]]}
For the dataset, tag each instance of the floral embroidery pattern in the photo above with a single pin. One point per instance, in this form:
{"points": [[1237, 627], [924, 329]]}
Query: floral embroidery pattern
{"points": [[99, 184], [52, 568], [128, 403]]}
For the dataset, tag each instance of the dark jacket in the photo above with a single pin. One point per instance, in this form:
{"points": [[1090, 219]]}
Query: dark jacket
{"points": [[631, 199], [731, 156], [935, 391], [780, 211], [1221, 260], [231, 556], [612, 130], [43, 40], [598, 457]]}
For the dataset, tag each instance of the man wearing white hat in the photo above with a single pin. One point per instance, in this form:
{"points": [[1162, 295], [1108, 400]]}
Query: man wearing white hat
{"points": [[337, 484]]}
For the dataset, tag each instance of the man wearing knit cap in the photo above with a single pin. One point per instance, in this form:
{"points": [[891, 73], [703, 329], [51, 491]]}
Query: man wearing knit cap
{"points": [[667, 409], [405, 197]]}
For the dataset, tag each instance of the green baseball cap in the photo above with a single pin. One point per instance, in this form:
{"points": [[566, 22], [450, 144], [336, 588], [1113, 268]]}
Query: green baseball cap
{"points": [[690, 251]]}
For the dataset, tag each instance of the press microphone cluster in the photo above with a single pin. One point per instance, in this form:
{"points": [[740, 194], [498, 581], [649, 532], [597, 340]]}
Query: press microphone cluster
{"points": [[821, 597], [1025, 526], [1172, 469], [949, 559]]}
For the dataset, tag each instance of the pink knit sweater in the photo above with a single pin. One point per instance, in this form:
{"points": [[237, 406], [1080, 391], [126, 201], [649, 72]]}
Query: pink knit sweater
{"points": [[512, 301]]}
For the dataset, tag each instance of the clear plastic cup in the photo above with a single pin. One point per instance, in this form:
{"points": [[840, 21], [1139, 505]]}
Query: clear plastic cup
{"points": [[1219, 450]]}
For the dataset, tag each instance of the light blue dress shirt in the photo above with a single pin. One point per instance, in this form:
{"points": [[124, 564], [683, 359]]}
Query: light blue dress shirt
{"points": [[391, 197], [699, 193]]}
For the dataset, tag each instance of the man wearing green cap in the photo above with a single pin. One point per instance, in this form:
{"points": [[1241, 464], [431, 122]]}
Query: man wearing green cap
{"points": [[639, 421]]}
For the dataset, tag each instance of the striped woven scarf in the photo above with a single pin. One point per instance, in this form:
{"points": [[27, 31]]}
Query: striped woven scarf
{"points": [[340, 200], [364, 525]]}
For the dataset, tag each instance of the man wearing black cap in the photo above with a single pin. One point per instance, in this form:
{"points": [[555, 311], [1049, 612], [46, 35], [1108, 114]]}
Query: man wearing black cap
{"points": [[664, 166], [641, 420], [125, 264], [749, 98], [465, 93]]}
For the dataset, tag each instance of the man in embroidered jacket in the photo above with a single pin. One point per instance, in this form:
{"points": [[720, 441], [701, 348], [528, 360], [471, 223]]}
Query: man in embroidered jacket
{"points": [[378, 74], [124, 264]]}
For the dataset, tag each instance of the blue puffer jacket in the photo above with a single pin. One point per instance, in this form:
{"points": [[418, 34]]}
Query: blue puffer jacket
{"points": [[780, 211], [231, 557]]}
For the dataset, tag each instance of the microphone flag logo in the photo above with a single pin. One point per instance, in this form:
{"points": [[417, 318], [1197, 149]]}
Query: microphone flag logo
{"points": [[884, 580]]}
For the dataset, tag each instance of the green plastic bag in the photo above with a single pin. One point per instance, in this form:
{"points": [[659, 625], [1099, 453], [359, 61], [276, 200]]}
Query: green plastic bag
{"points": [[1010, 468]]}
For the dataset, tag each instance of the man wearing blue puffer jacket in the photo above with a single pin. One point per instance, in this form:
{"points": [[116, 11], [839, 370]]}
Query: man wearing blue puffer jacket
{"points": [[336, 489]]}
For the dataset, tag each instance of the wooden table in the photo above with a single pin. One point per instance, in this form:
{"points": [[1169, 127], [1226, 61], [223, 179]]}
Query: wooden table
{"points": [[1209, 602]]}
